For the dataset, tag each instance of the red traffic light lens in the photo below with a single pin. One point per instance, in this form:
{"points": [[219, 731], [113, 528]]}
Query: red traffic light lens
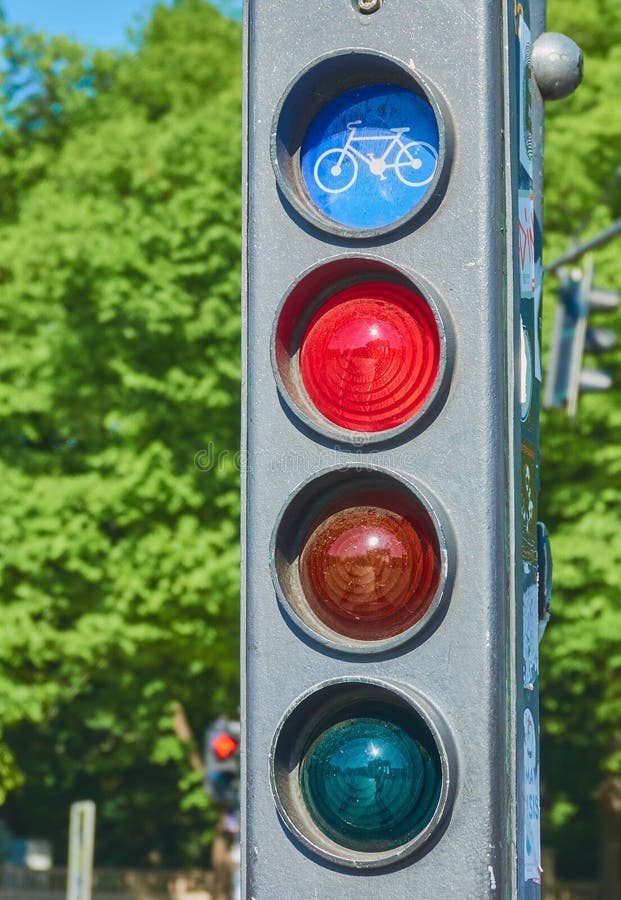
{"points": [[224, 745], [370, 572], [370, 356]]}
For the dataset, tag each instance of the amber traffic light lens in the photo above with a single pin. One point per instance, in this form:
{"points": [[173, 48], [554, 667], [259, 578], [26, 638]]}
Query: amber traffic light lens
{"points": [[370, 573]]}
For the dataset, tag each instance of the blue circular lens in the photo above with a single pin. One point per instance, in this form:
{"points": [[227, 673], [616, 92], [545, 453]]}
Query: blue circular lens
{"points": [[370, 155], [371, 783]]}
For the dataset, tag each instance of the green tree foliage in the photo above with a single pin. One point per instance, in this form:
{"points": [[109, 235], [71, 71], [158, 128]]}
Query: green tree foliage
{"points": [[119, 333], [581, 462]]}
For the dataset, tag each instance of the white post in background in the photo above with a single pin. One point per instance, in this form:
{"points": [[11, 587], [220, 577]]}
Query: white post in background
{"points": [[236, 865], [81, 850]]}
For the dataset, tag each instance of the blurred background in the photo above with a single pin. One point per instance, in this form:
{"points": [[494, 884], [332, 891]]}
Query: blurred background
{"points": [[119, 410]]}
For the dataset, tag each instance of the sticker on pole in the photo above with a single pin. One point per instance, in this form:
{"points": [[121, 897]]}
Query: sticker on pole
{"points": [[526, 101], [530, 629], [369, 157], [526, 372], [526, 242], [532, 812]]}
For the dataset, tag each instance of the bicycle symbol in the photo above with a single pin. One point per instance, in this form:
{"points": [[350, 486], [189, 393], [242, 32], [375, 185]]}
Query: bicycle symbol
{"points": [[336, 170]]}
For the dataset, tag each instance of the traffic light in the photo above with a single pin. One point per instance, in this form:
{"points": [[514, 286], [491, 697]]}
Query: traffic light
{"points": [[391, 375], [222, 761], [573, 336]]}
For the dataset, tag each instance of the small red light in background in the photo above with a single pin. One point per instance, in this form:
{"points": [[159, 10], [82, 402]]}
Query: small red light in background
{"points": [[224, 745], [370, 356]]}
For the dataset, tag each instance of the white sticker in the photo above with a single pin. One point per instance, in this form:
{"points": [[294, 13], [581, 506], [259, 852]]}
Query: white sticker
{"points": [[526, 372], [530, 628], [526, 242], [526, 100], [532, 834], [538, 290]]}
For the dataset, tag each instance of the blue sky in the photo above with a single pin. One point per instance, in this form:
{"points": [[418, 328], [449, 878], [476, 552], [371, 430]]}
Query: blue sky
{"points": [[96, 22]]}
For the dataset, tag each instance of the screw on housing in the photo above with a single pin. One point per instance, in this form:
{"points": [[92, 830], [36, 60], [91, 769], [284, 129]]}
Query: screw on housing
{"points": [[369, 6]]}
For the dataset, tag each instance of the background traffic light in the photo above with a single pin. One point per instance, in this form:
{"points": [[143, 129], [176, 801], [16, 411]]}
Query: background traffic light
{"points": [[222, 753], [574, 335]]}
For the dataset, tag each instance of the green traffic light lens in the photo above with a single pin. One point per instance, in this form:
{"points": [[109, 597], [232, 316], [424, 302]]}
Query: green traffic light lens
{"points": [[371, 783], [363, 771]]}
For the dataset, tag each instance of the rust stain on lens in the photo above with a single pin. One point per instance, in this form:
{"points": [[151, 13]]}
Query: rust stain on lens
{"points": [[370, 572]]}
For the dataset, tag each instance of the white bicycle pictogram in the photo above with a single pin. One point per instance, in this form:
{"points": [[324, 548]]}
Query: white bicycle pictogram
{"points": [[336, 170]]}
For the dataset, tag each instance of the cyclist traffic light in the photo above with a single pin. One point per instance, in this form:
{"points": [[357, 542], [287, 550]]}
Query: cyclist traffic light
{"points": [[390, 555]]}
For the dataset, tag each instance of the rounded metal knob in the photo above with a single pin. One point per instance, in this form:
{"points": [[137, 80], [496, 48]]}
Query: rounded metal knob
{"points": [[558, 65]]}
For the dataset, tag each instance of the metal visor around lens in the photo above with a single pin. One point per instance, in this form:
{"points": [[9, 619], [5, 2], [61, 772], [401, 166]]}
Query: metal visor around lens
{"points": [[363, 771]]}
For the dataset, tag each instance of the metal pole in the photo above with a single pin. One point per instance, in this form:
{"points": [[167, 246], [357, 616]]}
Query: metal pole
{"points": [[81, 850], [578, 251]]}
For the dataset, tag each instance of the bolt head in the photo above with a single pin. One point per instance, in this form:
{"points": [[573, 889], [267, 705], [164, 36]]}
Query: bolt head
{"points": [[369, 6]]}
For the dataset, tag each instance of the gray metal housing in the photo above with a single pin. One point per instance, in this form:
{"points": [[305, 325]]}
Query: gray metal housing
{"points": [[466, 456]]}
